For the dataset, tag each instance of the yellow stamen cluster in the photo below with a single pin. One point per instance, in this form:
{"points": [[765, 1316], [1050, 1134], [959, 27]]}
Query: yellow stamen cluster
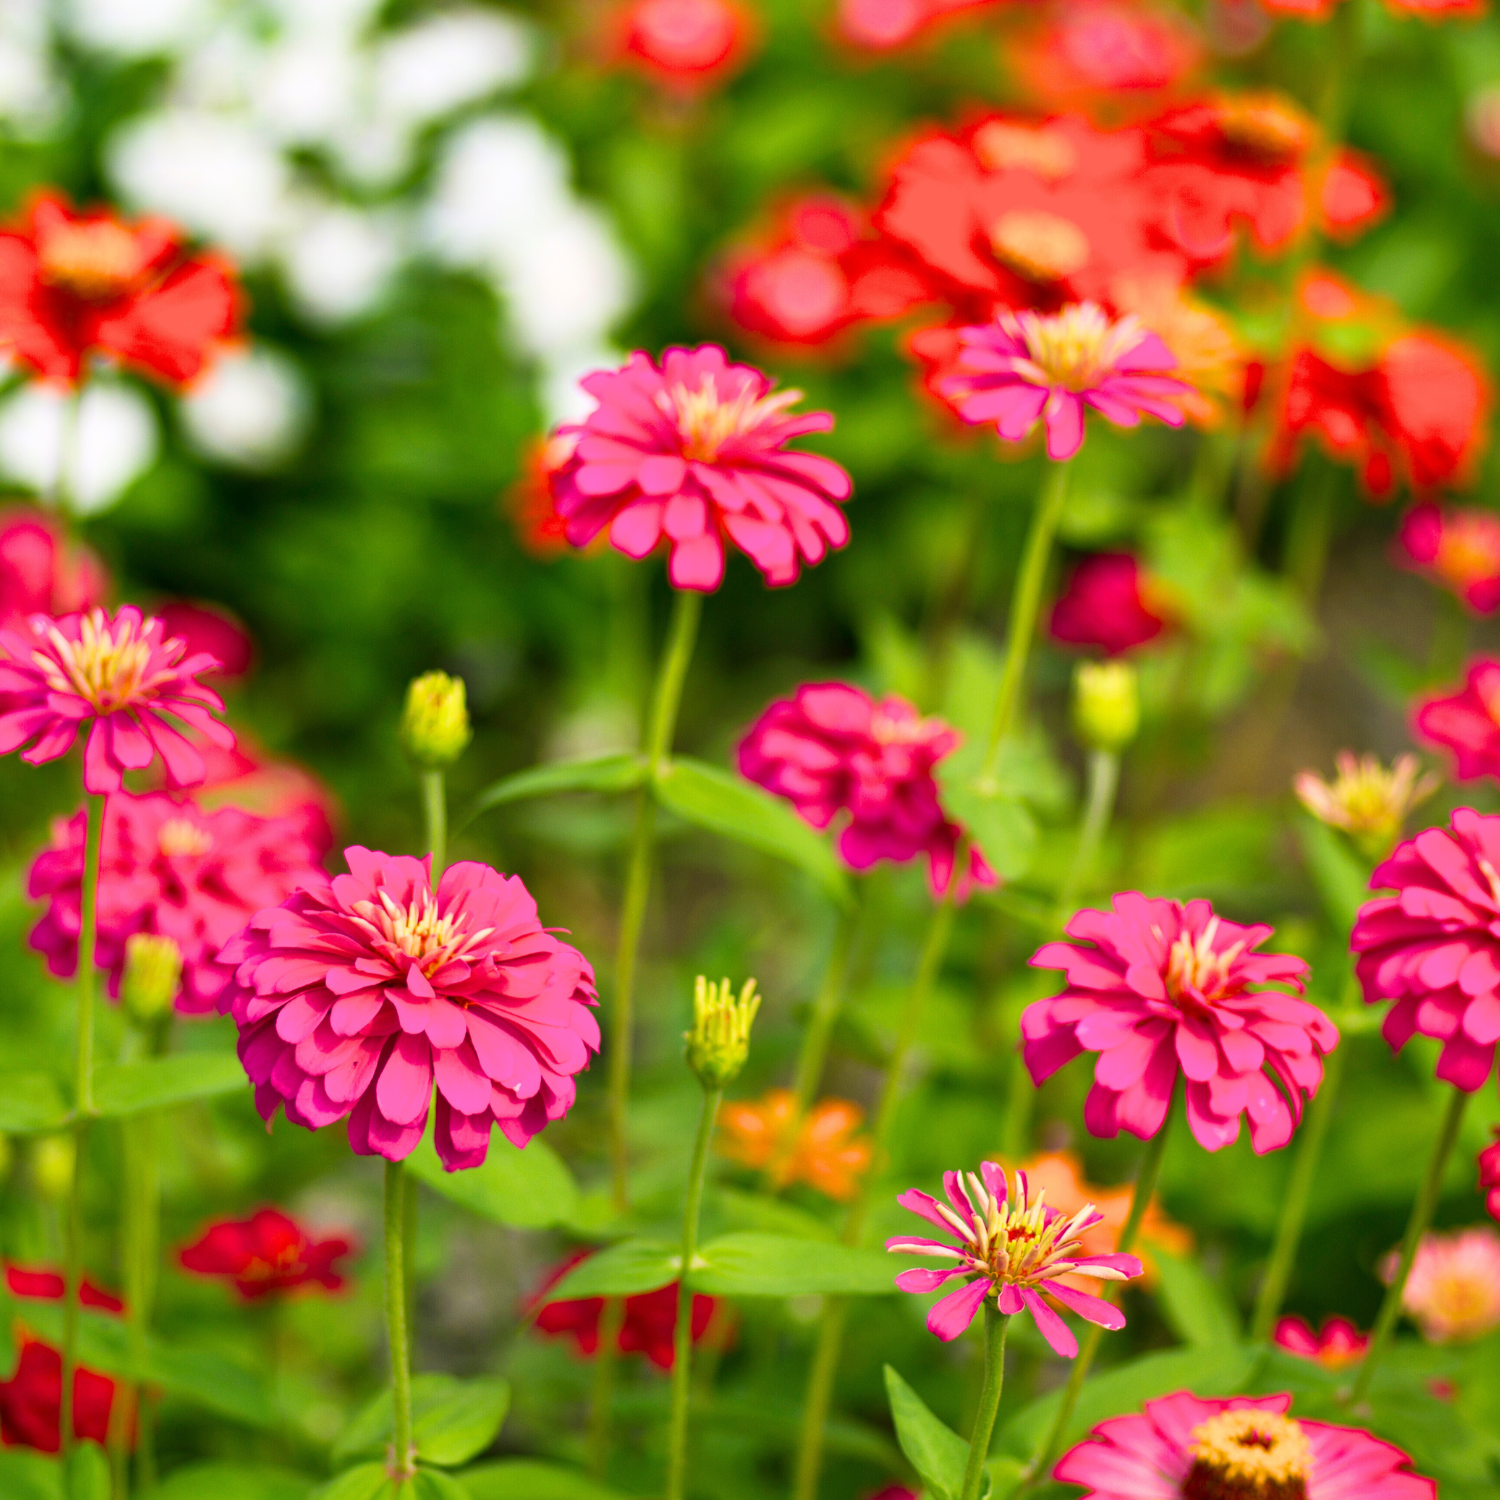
{"points": [[105, 666], [1248, 1454], [1038, 245], [181, 836], [95, 260], [1193, 965], [707, 419], [1002, 146], [1365, 799], [1076, 347], [719, 1042], [419, 930], [896, 729]]}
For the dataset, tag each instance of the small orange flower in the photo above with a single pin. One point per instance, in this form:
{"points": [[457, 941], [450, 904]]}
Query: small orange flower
{"points": [[822, 1149]]}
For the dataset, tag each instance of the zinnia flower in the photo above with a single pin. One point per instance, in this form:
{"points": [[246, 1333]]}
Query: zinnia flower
{"points": [[1183, 1447], [266, 1253], [1014, 1250], [1432, 946], [1029, 367], [1367, 801], [1157, 989], [72, 284], [1453, 1291], [1336, 1345], [167, 867], [356, 993], [211, 629], [1467, 722], [123, 678], [1109, 602], [1457, 548], [41, 571], [696, 450], [833, 752], [822, 1149], [1488, 1163]]}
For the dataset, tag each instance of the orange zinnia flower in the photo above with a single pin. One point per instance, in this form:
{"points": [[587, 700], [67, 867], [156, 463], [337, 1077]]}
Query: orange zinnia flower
{"points": [[821, 1149]]}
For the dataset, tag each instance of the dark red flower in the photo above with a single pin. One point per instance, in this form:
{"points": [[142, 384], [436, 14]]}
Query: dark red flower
{"points": [[41, 571], [266, 1253], [74, 284], [1106, 604]]}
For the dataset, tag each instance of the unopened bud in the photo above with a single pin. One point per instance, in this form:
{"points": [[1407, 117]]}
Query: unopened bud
{"points": [[53, 1158], [1106, 704], [153, 970], [719, 1042], [435, 726]]}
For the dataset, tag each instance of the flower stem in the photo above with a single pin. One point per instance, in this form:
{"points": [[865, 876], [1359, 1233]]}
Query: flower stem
{"points": [[825, 1012], [1103, 782], [141, 1230], [435, 821], [402, 1464], [819, 1398], [611, 1321], [996, 1324], [682, 1334], [1416, 1227]]}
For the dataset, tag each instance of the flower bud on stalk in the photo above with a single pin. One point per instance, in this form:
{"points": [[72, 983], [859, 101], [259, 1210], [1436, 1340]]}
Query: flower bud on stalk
{"points": [[153, 970], [435, 727], [1106, 704], [52, 1161], [719, 1042]]}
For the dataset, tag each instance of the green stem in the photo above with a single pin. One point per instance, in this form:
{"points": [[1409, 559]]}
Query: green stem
{"points": [[435, 821], [996, 1325], [1343, 64], [682, 1334], [61, 498], [141, 1230], [825, 1012], [402, 1465], [952, 601], [1103, 782], [1421, 1216], [611, 1321], [819, 1398]]}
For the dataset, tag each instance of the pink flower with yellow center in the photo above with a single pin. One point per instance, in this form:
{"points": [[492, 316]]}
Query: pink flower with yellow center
{"points": [[1366, 800], [1467, 721], [1337, 1345], [122, 676], [1453, 1292], [1457, 547], [1014, 1249], [693, 451], [1031, 367]]}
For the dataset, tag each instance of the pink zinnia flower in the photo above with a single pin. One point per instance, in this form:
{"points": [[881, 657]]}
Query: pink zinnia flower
{"points": [[1488, 1163], [121, 676], [1014, 1251], [1456, 547], [167, 867], [1468, 722], [210, 628], [1029, 367], [833, 752], [1182, 1447], [268, 1252], [1453, 1291], [1432, 947], [1162, 989], [356, 993], [696, 450], [41, 572], [1335, 1346], [1108, 603]]}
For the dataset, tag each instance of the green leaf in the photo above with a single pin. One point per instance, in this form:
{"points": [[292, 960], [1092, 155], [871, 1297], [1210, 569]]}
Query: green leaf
{"points": [[30, 1103], [128, 1088], [1199, 1312], [525, 1189], [452, 1420], [531, 1479], [621, 1271], [25, 1475], [729, 805], [367, 1482], [933, 1449], [776, 1265], [621, 771], [1002, 826], [224, 1481], [1342, 878], [85, 1473], [433, 1484]]}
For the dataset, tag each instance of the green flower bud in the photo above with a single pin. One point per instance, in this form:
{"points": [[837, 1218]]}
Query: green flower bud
{"points": [[52, 1161], [1106, 704], [153, 969], [719, 1042], [435, 726]]}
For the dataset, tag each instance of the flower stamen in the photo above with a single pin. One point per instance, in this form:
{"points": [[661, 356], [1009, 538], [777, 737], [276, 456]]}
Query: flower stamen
{"points": [[1248, 1454], [708, 420]]}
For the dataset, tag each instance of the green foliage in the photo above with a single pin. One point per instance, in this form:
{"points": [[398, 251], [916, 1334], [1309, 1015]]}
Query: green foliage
{"points": [[937, 1453], [526, 1188], [128, 1088], [452, 1420]]}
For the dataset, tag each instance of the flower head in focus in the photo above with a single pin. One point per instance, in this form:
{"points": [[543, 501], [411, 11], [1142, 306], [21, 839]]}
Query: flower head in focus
{"points": [[1337, 1345], [1453, 1291], [357, 994], [74, 284], [1014, 1247], [1159, 989], [1367, 801], [1456, 547], [1109, 601], [123, 677], [264, 1254], [1488, 1164], [1030, 367], [42, 572], [695, 450], [1467, 721], [1186, 1447], [834, 752], [686, 44], [823, 1149]]}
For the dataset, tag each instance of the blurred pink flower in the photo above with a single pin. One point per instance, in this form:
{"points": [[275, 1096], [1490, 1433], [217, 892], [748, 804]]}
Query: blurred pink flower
{"points": [[1015, 1250], [693, 451], [1108, 602], [41, 572], [124, 678], [1163, 989], [1335, 1346], [1467, 722], [1453, 1291], [212, 629], [1432, 946], [831, 750], [1488, 1163], [1027, 367], [1245, 1446], [167, 867], [355, 993], [687, 44], [1457, 547]]}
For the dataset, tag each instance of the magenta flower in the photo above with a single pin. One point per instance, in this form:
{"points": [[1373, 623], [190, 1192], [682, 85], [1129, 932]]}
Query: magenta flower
{"points": [[1488, 1163], [1183, 1447], [1029, 367], [1106, 603], [1468, 721], [168, 867], [694, 451], [1014, 1250], [1457, 547], [121, 676], [833, 752], [1433, 946], [357, 993], [1162, 989]]}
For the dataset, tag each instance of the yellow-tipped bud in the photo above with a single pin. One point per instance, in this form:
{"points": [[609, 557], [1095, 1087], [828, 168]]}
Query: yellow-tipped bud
{"points": [[719, 1042], [153, 970], [435, 726], [53, 1158], [1106, 704]]}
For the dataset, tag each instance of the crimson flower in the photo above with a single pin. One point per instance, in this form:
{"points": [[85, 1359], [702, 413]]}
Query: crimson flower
{"points": [[167, 867], [1467, 722], [1108, 602], [41, 571], [695, 450], [835, 753], [1159, 989], [1456, 547], [266, 1253], [121, 676], [357, 993], [1488, 1163], [1336, 1345], [75, 284]]}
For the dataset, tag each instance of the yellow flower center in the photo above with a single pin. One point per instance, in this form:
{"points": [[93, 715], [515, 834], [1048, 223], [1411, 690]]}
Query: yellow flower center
{"points": [[1038, 245], [1248, 1455], [708, 420], [1003, 147], [896, 729], [1195, 970], [1469, 550], [95, 260], [418, 930], [105, 666], [181, 836], [1076, 347]]}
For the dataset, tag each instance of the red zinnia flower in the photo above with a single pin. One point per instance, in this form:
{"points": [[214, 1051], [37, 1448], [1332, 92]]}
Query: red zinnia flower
{"points": [[695, 450], [41, 571], [1468, 722], [687, 44], [268, 1252], [1107, 602], [73, 284], [1457, 548], [1335, 1346]]}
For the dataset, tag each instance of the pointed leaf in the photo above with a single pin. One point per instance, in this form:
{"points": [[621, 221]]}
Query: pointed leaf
{"points": [[1342, 878], [128, 1088], [367, 1482], [31, 1102], [933, 1449], [531, 1479], [225, 1481], [621, 1271], [1199, 1312], [452, 1420], [85, 1473], [1001, 825], [778, 1265], [622, 771], [433, 1484], [526, 1188]]}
